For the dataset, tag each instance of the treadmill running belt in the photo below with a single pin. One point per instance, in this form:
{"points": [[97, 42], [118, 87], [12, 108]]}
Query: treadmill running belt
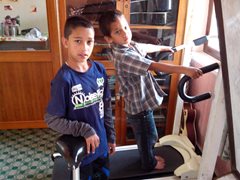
{"points": [[126, 164]]}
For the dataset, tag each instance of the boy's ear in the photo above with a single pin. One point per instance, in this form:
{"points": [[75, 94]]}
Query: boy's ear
{"points": [[108, 39], [65, 42]]}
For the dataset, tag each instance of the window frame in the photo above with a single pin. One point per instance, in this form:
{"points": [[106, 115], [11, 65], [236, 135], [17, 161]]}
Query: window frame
{"points": [[206, 48]]}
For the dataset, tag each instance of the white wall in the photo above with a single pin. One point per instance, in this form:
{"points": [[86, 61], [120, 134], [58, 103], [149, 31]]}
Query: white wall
{"points": [[28, 19], [196, 21]]}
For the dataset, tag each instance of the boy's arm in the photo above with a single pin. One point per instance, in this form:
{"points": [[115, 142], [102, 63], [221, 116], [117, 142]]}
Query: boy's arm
{"points": [[64, 126], [108, 121], [74, 128], [171, 68], [109, 126], [151, 48]]}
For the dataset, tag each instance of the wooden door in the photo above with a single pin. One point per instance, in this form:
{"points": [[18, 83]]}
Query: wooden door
{"points": [[25, 76]]}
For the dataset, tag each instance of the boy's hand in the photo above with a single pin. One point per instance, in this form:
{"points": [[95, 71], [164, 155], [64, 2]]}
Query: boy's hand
{"points": [[166, 48], [92, 143], [194, 72], [111, 148]]}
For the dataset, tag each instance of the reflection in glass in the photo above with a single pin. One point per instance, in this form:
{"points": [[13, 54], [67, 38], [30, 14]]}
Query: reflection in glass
{"points": [[153, 12], [159, 17], [23, 25], [156, 36], [92, 10], [89, 8]]}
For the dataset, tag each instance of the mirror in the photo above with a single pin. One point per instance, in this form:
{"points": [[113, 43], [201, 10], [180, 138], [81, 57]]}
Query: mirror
{"points": [[24, 25]]}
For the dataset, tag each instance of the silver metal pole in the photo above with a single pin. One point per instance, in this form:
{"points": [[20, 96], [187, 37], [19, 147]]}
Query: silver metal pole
{"points": [[76, 173]]}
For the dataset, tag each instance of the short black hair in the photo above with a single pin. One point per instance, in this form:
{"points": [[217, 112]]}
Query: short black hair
{"points": [[7, 17], [75, 22], [106, 19]]}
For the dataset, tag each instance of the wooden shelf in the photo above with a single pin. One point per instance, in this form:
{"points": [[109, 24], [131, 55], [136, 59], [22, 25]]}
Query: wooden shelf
{"points": [[142, 26]]}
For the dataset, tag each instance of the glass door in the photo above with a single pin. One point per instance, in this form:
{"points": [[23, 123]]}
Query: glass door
{"points": [[154, 21]]}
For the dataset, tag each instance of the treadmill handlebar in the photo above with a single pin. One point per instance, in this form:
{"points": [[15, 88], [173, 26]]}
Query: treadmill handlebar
{"points": [[201, 97], [73, 149]]}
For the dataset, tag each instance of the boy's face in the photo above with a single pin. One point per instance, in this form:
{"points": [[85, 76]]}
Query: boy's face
{"points": [[120, 32], [8, 20], [80, 44], [14, 22]]}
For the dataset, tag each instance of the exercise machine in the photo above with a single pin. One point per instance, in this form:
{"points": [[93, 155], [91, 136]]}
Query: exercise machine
{"points": [[70, 152], [177, 150]]}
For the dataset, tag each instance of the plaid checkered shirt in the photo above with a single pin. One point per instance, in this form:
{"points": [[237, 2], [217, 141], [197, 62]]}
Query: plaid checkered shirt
{"points": [[140, 90]]}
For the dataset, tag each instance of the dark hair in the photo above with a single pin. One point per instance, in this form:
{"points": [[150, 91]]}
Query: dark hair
{"points": [[106, 20], [74, 22], [8, 17]]}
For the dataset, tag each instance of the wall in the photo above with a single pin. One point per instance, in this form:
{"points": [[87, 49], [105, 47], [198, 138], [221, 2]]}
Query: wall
{"points": [[28, 19], [206, 83], [196, 27]]}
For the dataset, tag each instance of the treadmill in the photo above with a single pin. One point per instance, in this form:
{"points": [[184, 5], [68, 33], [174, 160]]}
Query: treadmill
{"points": [[177, 150]]}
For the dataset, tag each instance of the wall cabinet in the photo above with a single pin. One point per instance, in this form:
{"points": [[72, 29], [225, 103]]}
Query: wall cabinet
{"points": [[26, 68], [151, 21]]}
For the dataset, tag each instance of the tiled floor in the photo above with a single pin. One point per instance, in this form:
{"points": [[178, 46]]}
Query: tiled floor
{"points": [[26, 154]]}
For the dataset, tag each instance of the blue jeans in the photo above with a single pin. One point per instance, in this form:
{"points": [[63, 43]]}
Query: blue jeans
{"points": [[145, 132], [96, 170]]}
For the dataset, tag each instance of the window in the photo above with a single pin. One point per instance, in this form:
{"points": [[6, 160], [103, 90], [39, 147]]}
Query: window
{"points": [[212, 47]]}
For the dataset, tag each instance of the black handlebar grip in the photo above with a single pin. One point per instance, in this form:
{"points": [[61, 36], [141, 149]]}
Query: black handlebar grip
{"points": [[194, 99], [210, 67]]}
